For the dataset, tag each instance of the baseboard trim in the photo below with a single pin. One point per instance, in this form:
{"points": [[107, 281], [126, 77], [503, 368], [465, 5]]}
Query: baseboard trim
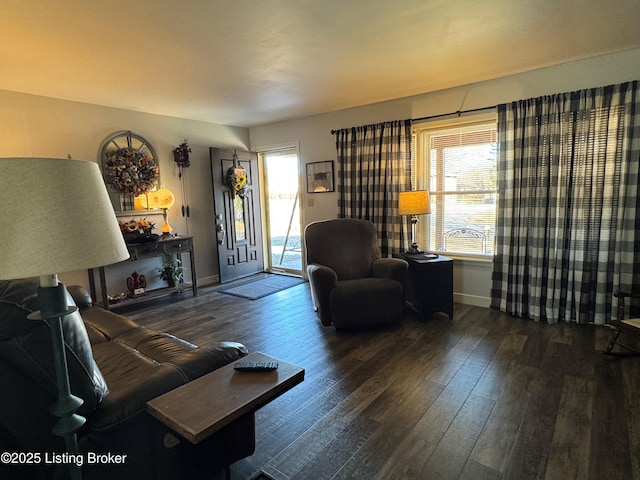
{"points": [[474, 300], [206, 281]]}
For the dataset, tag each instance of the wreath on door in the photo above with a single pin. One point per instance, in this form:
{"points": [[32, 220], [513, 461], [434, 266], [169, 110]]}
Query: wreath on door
{"points": [[237, 181], [236, 178]]}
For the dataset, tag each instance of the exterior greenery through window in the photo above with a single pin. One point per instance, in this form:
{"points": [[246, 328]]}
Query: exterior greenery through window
{"points": [[456, 162]]}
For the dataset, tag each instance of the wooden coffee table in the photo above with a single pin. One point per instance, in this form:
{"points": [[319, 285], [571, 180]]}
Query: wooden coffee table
{"points": [[205, 405]]}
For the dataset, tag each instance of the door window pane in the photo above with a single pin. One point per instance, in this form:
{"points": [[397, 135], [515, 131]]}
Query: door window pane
{"points": [[238, 213], [283, 210]]}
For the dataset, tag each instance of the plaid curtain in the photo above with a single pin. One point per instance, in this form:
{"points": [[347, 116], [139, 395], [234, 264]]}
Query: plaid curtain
{"points": [[374, 165], [567, 229]]}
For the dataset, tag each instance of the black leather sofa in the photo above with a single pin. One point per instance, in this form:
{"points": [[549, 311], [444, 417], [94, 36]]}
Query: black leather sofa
{"points": [[115, 366]]}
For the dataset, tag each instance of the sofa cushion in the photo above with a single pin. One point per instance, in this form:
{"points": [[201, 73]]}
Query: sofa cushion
{"points": [[107, 324]]}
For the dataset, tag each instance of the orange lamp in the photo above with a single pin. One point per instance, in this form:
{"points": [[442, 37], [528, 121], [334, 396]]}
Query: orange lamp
{"points": [[163, 199]]}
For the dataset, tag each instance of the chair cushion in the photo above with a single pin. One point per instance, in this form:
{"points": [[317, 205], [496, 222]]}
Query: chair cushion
{"points": [[367, 301]]}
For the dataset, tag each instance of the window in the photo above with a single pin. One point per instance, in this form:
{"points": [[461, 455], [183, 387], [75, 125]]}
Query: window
{"points": [[456, 162]]}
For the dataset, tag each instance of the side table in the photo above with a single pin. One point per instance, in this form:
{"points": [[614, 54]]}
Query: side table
{"points": [[429, 284], [203, 406]]}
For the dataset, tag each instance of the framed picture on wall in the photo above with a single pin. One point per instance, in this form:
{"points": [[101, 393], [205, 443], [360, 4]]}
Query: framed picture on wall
{"points": [[320, 177]]}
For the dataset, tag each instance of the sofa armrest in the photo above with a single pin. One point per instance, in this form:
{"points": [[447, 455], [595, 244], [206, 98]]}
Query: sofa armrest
{"points": [[322, 280], [393, 268], [160, 363], [80, 296]]}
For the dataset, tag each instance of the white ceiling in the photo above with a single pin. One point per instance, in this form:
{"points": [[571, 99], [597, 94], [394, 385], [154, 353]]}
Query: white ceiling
{"points": [[251, 62]]}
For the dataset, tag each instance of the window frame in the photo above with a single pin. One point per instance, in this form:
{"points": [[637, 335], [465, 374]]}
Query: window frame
{"points": [[421, 174]]}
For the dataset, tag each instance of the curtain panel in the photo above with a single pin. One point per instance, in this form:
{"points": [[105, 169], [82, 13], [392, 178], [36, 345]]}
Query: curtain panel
{"points": [[374, 165], [567, 228]]}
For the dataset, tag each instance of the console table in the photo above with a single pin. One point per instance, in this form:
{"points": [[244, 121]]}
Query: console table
{"points": [[166, 248], [429, 284]]}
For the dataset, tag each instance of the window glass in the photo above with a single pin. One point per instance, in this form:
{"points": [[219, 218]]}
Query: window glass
{"points": [[238, 213], [457, 164]]}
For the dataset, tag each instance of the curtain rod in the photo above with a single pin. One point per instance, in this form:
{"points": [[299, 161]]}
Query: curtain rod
{"points": [[458, 113], [431, 117]]}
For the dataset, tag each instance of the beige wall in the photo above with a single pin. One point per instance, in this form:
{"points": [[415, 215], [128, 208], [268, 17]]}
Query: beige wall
{"points": [[44, 127], [39, 126], [472, 280]]}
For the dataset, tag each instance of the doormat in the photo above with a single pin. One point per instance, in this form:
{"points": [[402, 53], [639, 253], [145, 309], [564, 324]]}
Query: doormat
{"points": [[261, 288]]}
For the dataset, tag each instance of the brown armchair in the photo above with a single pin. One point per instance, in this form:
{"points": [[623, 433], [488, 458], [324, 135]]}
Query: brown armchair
{"points": [[351, 285]]}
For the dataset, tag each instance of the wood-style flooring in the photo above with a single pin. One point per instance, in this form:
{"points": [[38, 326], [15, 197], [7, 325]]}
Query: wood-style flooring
{"points": [[484, 396]]}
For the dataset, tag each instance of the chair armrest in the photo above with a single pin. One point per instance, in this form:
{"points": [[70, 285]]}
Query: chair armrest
{"points": [[394, 268], [322, 280], [626, 295], [621, 296]]}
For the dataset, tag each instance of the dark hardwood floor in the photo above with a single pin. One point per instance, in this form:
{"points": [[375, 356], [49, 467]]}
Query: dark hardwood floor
{"points": [[485, 396]]}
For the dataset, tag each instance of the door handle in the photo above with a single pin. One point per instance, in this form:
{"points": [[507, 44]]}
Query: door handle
{"points": [[220, 230]]}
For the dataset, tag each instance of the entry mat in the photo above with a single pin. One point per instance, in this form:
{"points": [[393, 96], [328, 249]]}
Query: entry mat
{"points": [[255, 289]]}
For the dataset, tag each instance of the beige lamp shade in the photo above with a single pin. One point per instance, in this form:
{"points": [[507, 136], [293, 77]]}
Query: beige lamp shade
{"points": [[415, 202], [57, 218]]}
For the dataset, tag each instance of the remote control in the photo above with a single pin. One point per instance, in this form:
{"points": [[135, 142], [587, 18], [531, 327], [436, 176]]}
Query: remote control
{"points": [[255, 366]]}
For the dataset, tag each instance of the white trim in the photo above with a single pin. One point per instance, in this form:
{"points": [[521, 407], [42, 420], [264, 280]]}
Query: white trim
{"points": [[474, 300], [469, 257], [468, 120], [277, 146], [212, 280]]}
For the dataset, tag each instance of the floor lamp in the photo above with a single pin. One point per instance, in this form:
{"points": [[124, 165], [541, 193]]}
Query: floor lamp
{"points": [[62, 221]]}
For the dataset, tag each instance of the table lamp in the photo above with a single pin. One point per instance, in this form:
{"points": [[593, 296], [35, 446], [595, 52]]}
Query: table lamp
{"points": [[414, 203], [61, 220], [163, 199]]}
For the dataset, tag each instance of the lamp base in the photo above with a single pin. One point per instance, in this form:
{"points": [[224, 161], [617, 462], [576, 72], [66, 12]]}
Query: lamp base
{"points": [[53, 306], [414, 249], [166, 228]]}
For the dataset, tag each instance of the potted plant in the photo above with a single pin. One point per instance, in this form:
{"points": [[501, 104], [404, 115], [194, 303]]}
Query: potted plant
{"points": [[171, 272]]}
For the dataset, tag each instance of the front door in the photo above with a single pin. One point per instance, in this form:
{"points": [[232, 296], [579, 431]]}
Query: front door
{"points": [[238, 224]]}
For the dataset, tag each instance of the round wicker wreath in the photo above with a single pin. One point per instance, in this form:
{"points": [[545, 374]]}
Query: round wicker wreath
{"points": [[131, 171]]}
